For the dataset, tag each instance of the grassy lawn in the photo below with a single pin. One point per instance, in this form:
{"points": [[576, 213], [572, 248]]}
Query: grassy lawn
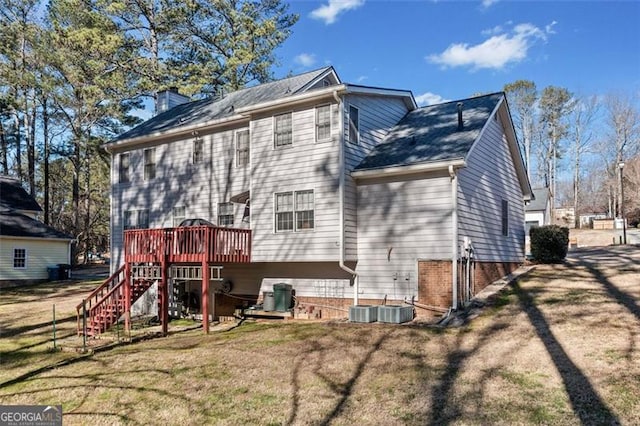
{"points": [[561, 346]]}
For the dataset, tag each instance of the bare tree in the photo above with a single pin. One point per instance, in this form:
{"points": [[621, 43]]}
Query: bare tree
{"points": [[581, 134], [622, 119], [522, 96]]}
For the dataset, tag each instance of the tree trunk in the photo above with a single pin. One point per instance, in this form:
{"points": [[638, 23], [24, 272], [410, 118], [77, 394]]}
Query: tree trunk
{"points": [[45, 134], [4, 146], [16, 121]]}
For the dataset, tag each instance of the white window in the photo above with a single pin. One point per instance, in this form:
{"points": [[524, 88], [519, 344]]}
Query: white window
{"points": [[294, 211], [242, 147], [283, 131], [19, 258], [304, 210], [124, 169], [505, 218], [149, 164], [354, 124], [225, 214], [136, 219], [198, 150], [323, 122], [179, 214]]}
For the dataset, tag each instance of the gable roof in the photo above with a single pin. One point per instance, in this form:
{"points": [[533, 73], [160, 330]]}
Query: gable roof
{"points": [[430, 134], [541, 200], [15, 224], [202, 111], [14, 197]]}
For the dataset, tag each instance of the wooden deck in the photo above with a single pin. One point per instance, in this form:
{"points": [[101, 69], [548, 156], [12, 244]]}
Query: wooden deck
{"points": [[194, 244]]}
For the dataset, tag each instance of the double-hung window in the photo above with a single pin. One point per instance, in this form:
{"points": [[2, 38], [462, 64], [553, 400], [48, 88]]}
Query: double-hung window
{"points": [[179, 214], [123, 169], [294, 211], [323, 123], [354, 124], [149, 164], [242, 147], [198, 150], [136, 219], [225, 214], [283, 130], [19, 258]]}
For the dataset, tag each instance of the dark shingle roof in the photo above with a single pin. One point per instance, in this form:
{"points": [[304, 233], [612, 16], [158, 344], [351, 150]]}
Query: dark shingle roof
{"points": [[205, 110], [431, 134], [14, 197], [541, 199], [13, 224]]}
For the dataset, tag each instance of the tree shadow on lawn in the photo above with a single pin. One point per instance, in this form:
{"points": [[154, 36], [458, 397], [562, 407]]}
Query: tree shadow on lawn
{"points": [[586, 402]]}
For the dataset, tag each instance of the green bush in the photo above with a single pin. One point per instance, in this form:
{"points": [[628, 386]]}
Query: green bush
{"points": [[549, 244]]}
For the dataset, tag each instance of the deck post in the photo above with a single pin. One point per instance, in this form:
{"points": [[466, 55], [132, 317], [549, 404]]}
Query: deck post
{"points": [[205, 282], [164, 313], [127, 297]]}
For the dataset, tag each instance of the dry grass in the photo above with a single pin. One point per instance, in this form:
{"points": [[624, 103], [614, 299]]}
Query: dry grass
{"points": [[561, 346]]}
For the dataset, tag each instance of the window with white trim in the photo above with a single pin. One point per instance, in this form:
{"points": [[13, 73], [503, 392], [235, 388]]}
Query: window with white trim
{"points": [[354, 124], [198, 150], [294, 211], [323, 122], [505, 218], [179, 214], [19, 258], [304, 210], [136, 219], [225, 214], [149, 163], [282, 130], [123, 169], [242, 147]]}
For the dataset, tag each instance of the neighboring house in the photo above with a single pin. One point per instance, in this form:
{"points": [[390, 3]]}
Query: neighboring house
{"points": [[538, 211], [27, 246], [351, 194]]}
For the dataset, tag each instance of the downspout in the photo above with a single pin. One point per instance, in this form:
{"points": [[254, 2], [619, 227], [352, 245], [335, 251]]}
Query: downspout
{"points": [[454, 239], [341, 184]]}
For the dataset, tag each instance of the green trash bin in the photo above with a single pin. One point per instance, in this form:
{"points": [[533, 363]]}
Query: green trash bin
{"points": [[53, 272], [282, 296]]}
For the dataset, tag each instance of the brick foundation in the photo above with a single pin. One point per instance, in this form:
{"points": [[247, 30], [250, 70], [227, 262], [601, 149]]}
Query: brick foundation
{"points": [[487, 272], [434, 279], [434, 283]]}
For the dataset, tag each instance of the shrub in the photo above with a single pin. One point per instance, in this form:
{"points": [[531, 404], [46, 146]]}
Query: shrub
{"points": [[549, 244], [633, 218]]}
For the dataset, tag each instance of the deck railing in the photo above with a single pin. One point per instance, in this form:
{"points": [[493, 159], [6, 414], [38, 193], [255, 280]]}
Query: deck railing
{"points": [[188, 245]]}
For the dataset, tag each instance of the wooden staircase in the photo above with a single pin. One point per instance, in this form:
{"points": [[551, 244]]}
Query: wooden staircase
{"points": [[110, 301]]}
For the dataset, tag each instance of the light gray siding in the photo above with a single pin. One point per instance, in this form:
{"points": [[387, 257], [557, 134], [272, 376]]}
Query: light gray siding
{"points": [[489, 178], [305, 165], [400, 222], [377, 115], [198, 187]]}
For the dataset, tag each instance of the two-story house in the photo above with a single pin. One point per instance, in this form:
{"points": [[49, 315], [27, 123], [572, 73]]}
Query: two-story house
{"points": [[351, 194]]}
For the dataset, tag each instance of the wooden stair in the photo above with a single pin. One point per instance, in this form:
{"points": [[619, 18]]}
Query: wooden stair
{"points": [[108, 302]]}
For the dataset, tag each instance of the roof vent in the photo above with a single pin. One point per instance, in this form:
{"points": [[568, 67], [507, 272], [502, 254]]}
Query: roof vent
{"points": [[460, 122]]}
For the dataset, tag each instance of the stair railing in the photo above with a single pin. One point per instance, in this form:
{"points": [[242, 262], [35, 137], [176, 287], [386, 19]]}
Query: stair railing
{"points": [[98, 294]]}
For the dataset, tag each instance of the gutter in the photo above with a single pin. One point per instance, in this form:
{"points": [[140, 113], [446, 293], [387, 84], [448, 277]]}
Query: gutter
{"points": [[407, 170], [454, 237], [341, 184]]}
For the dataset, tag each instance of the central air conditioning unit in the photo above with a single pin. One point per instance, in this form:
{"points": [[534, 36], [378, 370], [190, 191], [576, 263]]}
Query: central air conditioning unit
{"points": [[395, 314], [363, 313]]}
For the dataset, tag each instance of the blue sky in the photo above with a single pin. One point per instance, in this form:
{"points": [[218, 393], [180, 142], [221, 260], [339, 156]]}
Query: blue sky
{"points": [[447, 50]]}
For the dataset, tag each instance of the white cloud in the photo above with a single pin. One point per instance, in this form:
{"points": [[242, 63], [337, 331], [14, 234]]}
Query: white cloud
{"points": [[330, 11], [488, 3], [305, 59], [549, 28], [361, 78], [496, 52], [429, 98]]}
